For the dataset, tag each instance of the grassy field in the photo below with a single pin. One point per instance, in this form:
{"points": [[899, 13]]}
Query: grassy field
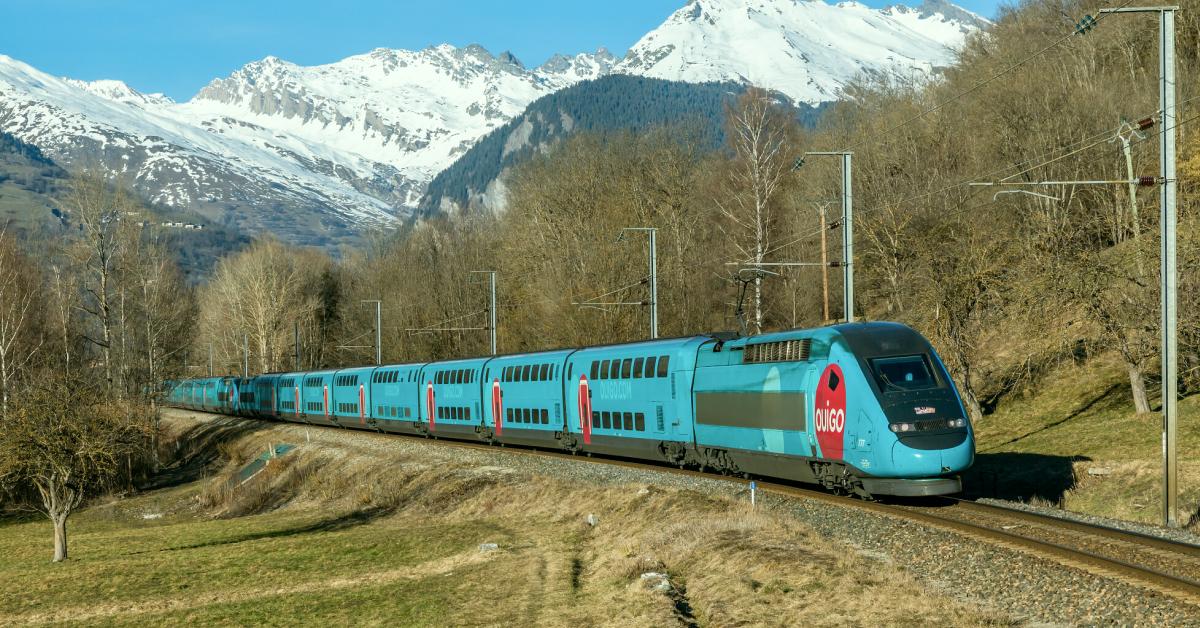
{"points": [[332, 534], [1074, 441]]}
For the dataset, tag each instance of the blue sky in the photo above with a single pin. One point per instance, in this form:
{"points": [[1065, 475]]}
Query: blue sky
{"points": [[177, 46]]}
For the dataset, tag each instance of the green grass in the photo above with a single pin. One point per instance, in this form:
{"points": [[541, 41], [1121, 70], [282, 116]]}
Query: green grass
{"points": [[134, 565], [1042, 444]]}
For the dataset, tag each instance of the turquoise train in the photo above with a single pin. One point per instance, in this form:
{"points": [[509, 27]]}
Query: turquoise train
{"points": [[863, 408]]}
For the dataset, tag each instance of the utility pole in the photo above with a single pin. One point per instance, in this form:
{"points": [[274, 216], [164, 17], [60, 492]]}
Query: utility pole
{"points": [[1169, 273], [378, 330], [653, 233], [824, 265], [296, 344], [210, 360], [1167, 254], [492, 306], [847, 227], [245, 355]]}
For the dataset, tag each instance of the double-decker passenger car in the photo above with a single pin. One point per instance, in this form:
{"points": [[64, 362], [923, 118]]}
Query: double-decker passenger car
{"points": [[864, 407]]}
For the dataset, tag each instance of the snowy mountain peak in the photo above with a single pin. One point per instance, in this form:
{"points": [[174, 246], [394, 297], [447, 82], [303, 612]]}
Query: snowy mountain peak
{"points": [[315, 153], [806, 49]]}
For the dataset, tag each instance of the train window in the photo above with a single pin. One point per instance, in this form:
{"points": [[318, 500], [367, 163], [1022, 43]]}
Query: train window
{"points": [[663, 361], [910, 372], [595, 372], [437, 378], [604, 370], [509, 418], [639, 422], [650, 362], [545, 417], [467, 413], [628, 421], [626, 367], [543, 372], [637, 368], [526, 372], [408, 412], [527, 415], [595, 419], [606, 419], [570, 369]]}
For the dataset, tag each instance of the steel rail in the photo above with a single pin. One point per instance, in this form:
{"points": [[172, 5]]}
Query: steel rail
{"points": [[1126, 536]]}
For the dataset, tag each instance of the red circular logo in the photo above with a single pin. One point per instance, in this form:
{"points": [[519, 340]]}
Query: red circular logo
{"points": [[829, 412]]}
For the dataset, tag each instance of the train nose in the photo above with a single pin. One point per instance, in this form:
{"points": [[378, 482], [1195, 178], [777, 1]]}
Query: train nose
{"points": [[932, 462]]}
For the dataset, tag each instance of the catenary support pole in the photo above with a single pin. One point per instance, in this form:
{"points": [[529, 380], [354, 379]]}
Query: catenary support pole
{"points": [[847, 237], [824, 267], [245, 355], [379, 333], [653, 283], [1167, 262], [492, 309], [1170, 355]]}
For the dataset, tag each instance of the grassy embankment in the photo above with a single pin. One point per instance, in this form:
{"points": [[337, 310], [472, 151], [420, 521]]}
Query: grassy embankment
{"points": [[1072, 439], [339, 532]]}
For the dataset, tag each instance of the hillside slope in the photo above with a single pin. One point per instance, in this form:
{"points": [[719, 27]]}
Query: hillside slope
{"points": [[613, 103]]}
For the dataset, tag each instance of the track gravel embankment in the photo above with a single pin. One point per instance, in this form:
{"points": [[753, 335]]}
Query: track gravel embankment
{"points": [[1029, 589]]}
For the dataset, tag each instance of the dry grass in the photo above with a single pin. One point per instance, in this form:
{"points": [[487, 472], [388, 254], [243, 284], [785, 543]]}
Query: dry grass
{"points": [[339, 534]]}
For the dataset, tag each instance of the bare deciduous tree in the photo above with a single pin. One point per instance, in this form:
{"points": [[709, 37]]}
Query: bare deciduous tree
{"points": [[66, 441], [20, 311]]}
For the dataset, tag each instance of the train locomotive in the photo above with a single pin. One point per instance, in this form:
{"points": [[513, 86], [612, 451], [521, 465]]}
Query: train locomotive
{"points": [[863, 408]]}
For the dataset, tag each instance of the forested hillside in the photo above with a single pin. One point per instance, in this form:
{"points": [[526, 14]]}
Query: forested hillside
{"points": [[32, 189], [612, 103]]}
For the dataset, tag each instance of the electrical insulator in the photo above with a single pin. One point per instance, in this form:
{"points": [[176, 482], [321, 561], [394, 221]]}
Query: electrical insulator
{"points": [[1147, 181], [1086, 24], [1145, 124]]}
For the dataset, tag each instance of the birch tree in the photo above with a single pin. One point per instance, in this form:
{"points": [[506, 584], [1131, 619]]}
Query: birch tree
{"points": [[758, 133]]}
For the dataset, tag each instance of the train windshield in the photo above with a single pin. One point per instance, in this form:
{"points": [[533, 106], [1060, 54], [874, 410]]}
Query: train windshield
{"points": [[909, 372]]}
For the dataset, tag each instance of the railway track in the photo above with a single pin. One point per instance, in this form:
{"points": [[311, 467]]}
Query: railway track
{"points": [[1162, 566]]}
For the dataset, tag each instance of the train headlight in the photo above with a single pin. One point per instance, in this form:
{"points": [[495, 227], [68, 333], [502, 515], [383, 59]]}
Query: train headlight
{"points": [[957, 422], [902, 427]]}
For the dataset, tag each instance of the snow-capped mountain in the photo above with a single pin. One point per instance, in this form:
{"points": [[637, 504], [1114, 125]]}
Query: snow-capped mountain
{"points": [[316, 154], [805, 49]]}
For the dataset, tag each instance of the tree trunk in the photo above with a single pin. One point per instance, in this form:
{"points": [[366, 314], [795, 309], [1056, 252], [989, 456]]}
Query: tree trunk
{"points": [[974, 409], [60, 536], [1137, 385]]}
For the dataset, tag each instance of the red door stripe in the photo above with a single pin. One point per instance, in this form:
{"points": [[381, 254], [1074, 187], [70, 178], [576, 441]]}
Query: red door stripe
{"points": [[430, 406], [497, 407], [585, 410], [362, 405]]}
